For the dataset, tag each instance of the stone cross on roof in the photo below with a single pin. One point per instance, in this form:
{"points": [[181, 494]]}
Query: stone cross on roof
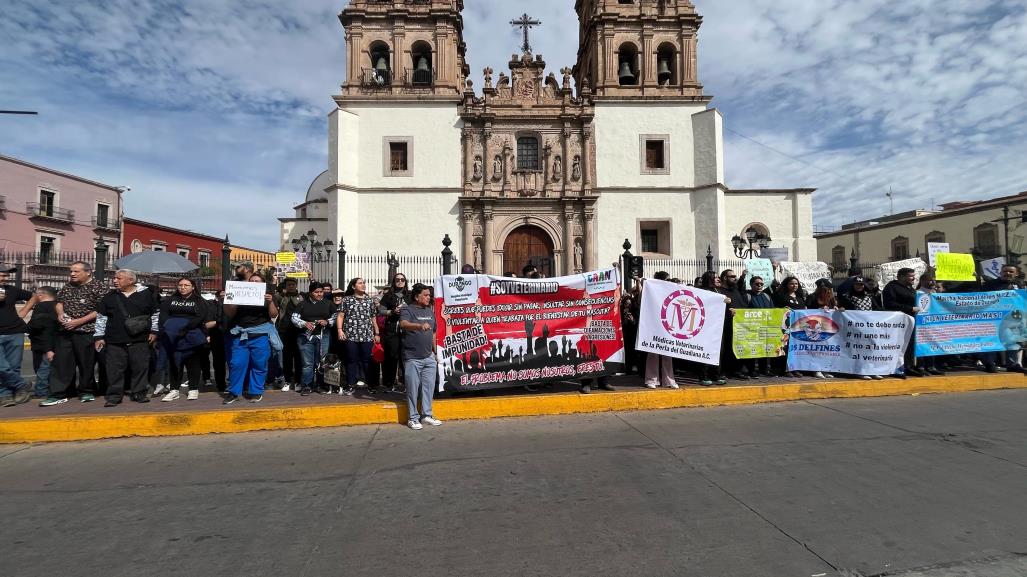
{"points": [[525, 22]]}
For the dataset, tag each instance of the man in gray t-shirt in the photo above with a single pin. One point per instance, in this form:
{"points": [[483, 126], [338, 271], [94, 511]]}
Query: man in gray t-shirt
{"points": [[417, 322]]}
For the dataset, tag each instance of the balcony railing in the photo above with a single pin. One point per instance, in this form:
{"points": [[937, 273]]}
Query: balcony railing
{"points": [[371, 78], [106, 223], [419, 78], [37, 210]]}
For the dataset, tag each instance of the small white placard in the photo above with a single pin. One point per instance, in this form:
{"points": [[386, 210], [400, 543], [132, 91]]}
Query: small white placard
{"points": [[245, 293]]}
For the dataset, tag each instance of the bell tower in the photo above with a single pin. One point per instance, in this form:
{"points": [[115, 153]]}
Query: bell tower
{"points": [[404, 48], [638, 48]]}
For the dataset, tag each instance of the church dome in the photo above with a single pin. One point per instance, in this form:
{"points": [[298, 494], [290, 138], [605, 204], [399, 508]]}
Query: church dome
{"points": [[316, 191]]}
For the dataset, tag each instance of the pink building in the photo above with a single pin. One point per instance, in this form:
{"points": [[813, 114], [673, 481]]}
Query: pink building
{"points": [[47, 211]]}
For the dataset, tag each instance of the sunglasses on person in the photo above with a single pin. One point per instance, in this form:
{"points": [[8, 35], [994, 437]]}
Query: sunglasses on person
{"points": [[400, 279]]}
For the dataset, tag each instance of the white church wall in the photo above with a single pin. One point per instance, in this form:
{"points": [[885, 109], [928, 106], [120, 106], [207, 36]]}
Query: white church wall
{"points": [[618, 215], [343, 144], [433, 130], [619, 154], [708, 135], [786, 217], [410, 223]]}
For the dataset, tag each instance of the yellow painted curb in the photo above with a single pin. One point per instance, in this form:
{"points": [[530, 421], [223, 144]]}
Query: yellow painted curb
{"points": [[89, 427]]}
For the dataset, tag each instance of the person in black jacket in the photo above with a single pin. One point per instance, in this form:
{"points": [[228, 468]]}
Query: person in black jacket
{"points": [[43, 337], [128, 353], [391, 305], [858, 298], [13, 388], [729, 287], [183, 335], [1007, 280], [314, 317], [899, 295]]}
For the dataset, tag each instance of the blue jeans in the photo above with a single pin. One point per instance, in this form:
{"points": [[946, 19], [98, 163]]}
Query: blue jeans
{"points": [[12, 347], [42, 368], [419, 375], [358, 357], [247, 363], [312, 350]]}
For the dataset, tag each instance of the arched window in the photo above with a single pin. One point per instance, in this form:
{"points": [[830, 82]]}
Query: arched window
{"points": [[666, 65], [381, 67], [838, 257], [986, 240], [933, 236], [527, 153], [627, 65], [423, 67], [899, 248]]}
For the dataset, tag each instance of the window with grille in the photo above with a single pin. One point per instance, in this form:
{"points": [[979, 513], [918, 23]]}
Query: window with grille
{"points": [[398, 156], [47, 200], [900, 248], [102, 214], [46, 248], [204, 260], [527, 153], [650, 240]]}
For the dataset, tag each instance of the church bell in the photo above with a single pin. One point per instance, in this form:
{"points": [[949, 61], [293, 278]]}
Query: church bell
{"points": [[381, 66], [663, 72], [626, 76], [422, 74]]}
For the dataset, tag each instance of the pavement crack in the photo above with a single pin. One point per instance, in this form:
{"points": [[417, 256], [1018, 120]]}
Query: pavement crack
{"points": [[16, 451], [731, 495], [950, 438]]}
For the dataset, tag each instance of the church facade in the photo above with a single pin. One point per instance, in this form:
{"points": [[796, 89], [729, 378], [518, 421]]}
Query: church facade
{"points": [[553, 169]]}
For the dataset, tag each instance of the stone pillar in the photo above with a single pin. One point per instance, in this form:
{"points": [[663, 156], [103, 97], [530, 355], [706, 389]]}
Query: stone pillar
{"points": [[468, 231], [568, 238], [565, 159], [488, 248], [586, 157], [648, 69], [589, 232]]}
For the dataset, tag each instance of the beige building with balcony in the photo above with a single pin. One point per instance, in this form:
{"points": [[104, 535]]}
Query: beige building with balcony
{"points": [[985, 228]]}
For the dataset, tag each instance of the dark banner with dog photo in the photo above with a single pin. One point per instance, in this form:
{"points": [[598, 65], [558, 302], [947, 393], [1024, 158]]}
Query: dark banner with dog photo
{"points": [[496, 332]]}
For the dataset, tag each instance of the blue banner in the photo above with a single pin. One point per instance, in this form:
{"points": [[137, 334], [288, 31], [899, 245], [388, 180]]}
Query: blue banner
{"points": [[851, 342], [960, 323]]}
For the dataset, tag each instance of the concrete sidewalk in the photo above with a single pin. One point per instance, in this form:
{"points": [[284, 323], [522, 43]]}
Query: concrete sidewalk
{"points": [[74, 421]]}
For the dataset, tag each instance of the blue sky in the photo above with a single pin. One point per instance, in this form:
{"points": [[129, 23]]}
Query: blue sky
{"points": [[213, 111]]}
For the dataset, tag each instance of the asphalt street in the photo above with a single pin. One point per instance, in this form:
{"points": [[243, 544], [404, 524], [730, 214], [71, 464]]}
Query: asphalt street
{"points": [[918, 486]]}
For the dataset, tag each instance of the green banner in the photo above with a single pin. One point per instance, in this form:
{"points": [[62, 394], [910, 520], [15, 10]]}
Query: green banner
{"points": [[759, 333]]}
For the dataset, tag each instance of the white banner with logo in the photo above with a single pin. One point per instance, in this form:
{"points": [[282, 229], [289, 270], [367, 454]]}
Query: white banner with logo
{"points": [[851, 342], [808, 273], [679, 321]]}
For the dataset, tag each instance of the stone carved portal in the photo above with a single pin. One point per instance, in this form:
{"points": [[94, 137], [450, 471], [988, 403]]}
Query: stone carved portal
{"points": [[529, 244]]}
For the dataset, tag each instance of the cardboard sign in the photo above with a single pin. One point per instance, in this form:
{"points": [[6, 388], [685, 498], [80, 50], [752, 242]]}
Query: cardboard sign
{"points": [[887, 272], [775, 254], [992, 267], [933, 248], [808, 273], [955, 266], [245, 293], [760, 267]]}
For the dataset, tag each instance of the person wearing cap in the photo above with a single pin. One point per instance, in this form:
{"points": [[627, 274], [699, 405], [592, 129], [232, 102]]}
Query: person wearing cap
{"points": [[313, 318], [13, 388], [823, 298], [858, 298]]}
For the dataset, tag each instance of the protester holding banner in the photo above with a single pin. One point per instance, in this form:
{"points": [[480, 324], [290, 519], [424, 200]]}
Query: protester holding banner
{"points": [[630, 304], [659, 369], [790, 296], [758, 299], [710, 374], [1007, 280], [251, 338], [358, 330], [931, 365], [899, 296], [858, 298], [733, 292]]}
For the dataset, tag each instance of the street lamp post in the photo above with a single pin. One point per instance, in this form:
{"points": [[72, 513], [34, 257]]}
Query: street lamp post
{"points": [[746, 247], [316, 251]]}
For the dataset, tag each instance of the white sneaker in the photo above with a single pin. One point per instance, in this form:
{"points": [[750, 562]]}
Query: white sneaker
{"points": [[361, 384], [193, 395], [671, 385], [819, 375], [159, 390], [431, 421], [651, 385], [286, 387], [414, 425], [876, 377], [828, 375], [172, 396], [867, 378]]}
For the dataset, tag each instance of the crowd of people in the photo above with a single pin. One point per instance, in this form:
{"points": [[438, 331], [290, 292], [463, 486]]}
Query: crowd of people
{"points": [[130, 342], [89, 339], [855, 293]]}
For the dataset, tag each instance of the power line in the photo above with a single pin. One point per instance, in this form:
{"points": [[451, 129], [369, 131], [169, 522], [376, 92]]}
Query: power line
{"points": [[18, 112]]}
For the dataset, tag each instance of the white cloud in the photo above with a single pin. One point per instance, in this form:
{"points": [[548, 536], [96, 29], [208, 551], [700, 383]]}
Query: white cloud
{"points": [[221, 103]]}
